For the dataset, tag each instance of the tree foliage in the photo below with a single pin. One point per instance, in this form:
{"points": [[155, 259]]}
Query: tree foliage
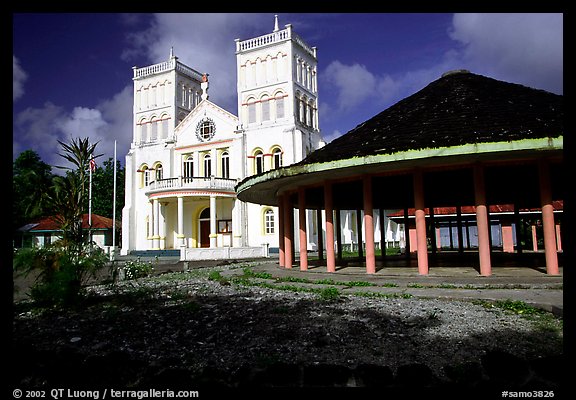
{"points": [[31, 181]]}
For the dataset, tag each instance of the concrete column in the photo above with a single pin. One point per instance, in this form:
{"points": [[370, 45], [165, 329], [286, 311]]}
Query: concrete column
{"points": [[369, 225], [238, 223], [281, 231], [382, 217], [180, 233], [550, 249], [534, 238], [196, 165], [213, 234], [359, 231], [151, 226], [156, 237], [320, 234], [162, 226], [302, 230], [339, 234], [420, 214], [328, 206], [459, 229], [558, 238], [507, 237], [482, 221], [288, 232]]}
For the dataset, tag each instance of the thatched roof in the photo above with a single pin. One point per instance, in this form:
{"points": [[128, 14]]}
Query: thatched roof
{"points": [[459, 108]]}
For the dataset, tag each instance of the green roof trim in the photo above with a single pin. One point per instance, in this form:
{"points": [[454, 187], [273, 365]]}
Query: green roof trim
{"points": [[537, 144]]}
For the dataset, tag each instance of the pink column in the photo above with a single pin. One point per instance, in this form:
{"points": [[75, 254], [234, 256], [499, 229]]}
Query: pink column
{"points": [[412, 237], [281, 230], [558, 238], [288, 231], [302, 230], [534, 238], [328, 206], [507, 237], [482, 222], [369, 226], [421, 243], [548, 219]]}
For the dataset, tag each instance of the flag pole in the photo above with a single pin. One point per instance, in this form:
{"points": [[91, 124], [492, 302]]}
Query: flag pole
{"points": [[113, 250]]}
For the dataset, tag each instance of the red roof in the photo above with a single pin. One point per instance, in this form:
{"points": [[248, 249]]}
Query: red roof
{"points": [[51, 223], [494, 209]]}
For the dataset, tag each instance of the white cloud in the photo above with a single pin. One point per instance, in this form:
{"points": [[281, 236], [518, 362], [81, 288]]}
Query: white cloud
{"points": [[44, 127], [19, 76], [204, 42], [520, 48], [37, 128], [354, 83]]}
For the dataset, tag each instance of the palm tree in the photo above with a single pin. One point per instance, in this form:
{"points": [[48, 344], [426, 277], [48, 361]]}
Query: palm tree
{"points": [[70, 192]]}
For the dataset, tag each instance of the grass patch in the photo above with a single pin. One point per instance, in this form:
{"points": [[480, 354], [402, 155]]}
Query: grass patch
{"points": [[327, 282], [329, 294], [376, 295], [292, 279], [358, 283], [544, 321]]}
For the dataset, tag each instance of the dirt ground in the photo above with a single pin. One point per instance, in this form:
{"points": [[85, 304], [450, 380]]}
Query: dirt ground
{"points": [[189, 330]]}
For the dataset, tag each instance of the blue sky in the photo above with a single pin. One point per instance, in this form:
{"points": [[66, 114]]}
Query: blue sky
{"points": [[72, 73]]}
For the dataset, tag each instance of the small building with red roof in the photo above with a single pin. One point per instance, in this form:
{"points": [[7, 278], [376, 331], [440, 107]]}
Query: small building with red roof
{"points": [[47, 230]]}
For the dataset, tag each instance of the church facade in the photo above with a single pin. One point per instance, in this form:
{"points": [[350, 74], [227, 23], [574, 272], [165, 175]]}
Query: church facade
{"points": [[187, 153]]}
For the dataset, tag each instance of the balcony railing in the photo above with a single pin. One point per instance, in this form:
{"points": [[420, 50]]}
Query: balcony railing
{"points": [[194, 183]]}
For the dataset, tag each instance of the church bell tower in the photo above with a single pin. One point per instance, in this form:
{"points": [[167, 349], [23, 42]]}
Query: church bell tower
{"points": [[278, 95]]}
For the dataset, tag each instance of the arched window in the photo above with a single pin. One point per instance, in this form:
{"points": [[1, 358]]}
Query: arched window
{"points": [[142, 132], [258, 162], [225, 165], [144, 172], [153, 129], [277, 158], [251, 103], [297, 106], [269, 221], [207, 166], [279, 100], [265, 108], [188, 168], [159, 172]]}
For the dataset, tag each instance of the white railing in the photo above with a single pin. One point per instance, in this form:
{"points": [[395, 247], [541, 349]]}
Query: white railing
{"points": [[195, 182], [167, 66], [273, 38]]}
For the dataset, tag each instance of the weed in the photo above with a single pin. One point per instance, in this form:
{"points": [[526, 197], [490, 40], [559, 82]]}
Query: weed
{"points": [[358, 283], [329, 294]]}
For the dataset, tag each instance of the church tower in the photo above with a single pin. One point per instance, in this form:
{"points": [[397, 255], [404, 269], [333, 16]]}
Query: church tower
{"points": [[164, 94], [277, 99]]}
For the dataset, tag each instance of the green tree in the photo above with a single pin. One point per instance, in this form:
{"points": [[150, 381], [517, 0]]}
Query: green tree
{"points": [[64, 266], [67, 202], [31, 182], [103, 189]]}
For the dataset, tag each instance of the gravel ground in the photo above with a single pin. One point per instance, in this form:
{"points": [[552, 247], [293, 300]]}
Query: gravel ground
{"points": [[200, 327]]}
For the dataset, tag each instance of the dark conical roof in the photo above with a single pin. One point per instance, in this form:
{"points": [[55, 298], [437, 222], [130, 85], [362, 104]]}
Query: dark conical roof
{"points": [[459, 108]]}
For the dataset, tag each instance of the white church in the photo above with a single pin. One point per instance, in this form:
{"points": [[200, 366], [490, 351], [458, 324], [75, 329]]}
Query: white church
{"points": [[187, 153]]}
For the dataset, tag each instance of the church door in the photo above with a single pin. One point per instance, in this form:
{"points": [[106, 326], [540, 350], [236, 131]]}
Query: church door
{"points": [[205, 233]]}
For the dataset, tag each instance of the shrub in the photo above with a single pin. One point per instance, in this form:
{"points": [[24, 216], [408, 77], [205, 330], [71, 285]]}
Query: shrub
{"points": [[134, 269], [61, 274]]}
